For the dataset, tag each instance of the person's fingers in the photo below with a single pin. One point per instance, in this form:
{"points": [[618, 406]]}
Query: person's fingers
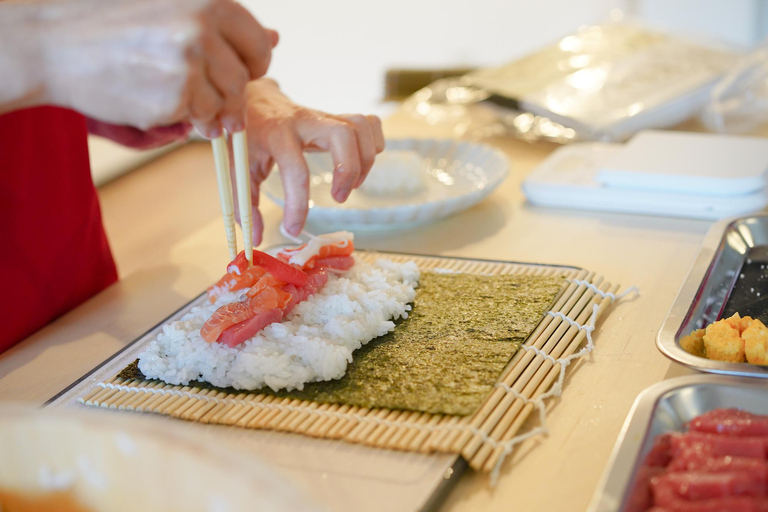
{"points": [[248, 39], [378, 133], [205, 105], [228, 74], [365, 143], [273, 36], [258, 220], [345, 151], [261, 164], [339, 137], [287, 152]]}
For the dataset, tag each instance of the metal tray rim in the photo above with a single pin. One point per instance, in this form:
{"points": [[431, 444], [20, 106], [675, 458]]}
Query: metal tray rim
{"points": [[459, 464], [616, 478], [666, 338]]}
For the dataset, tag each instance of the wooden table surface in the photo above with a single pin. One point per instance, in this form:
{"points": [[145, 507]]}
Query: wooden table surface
{"points": [[164, 225]]}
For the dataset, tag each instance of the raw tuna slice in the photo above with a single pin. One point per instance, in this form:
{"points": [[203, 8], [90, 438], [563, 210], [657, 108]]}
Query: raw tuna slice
{"points": [[701, 462], [238, 333], [673, 487], [336, 262], [732, 504], [660, 455], [717, 446], [316, 280], [640, 497], [732, 422]]}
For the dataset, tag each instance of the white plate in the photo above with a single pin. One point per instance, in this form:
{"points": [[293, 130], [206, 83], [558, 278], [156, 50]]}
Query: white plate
{"points": [[458, 175]]}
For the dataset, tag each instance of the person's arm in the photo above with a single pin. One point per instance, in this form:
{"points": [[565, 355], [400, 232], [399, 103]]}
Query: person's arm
{"points": [[141, 63], [22, 84]]}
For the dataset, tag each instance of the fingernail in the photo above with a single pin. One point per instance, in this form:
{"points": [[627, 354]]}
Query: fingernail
{"points": [[341, 195], [214, 133], [234, 126]]}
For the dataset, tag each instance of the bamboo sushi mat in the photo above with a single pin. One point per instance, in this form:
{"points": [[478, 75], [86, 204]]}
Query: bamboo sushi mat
{"points": [[484, 438]]}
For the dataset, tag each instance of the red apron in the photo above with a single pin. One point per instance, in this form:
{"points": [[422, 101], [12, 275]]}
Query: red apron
{"points": [[53, 250]]}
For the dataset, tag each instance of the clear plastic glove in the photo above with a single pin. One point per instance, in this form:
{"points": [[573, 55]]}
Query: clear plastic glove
{"points": [[146, 63], [139, 139], [279, 131]]}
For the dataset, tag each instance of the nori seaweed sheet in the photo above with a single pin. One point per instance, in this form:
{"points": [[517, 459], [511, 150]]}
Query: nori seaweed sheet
{"points": [[446, 356]]}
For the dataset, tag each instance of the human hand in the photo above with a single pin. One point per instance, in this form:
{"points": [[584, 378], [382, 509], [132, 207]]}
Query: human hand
{"points": [[145, 63], [139, 139], [279, 131]]}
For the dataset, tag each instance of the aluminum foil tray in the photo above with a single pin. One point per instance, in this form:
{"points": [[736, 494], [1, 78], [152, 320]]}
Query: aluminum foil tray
{"points": [[665, 407], [716, 276]]}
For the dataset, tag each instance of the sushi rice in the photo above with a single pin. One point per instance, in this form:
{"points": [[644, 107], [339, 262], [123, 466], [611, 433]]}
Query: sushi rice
{"points": [[396, 173], [314, 343]]}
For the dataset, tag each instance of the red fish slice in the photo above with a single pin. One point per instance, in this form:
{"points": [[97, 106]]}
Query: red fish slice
{"points": [[697, 461], [731, 504], [326, 251], [335, 262], [286, 299], [267, 298], [316, 280], [224, 317], [715, 445], [239, 276], [239, 333], [693, 486], [732, 422], [267, 281]]}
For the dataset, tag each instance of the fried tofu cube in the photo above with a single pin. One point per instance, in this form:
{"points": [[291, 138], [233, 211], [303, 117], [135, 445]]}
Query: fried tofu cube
{"points": [[738, 322], [723, 343], [756, 343], [694, 343]]}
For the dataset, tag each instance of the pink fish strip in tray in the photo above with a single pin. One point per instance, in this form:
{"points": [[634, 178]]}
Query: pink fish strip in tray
{"points": [[718, 465]]}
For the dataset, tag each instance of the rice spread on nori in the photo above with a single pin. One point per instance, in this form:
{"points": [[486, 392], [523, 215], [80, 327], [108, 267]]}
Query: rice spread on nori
{"points": [[447, 355]]}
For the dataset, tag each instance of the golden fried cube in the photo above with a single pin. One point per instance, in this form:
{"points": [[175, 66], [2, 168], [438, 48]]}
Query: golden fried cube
{"points": [[723, 343], [739, 323], [756, 342], [694, 343]]}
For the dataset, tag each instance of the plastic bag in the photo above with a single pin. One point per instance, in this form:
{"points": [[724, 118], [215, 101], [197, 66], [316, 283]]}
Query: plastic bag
{"points": [[465, 109], [739, 101]]}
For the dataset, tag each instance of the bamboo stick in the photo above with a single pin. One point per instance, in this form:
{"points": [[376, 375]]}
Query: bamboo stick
{"points": [[221, 161]]}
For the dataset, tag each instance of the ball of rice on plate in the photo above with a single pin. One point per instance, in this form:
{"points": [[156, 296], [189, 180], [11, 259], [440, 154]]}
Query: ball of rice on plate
{"points": [[396, 173]]}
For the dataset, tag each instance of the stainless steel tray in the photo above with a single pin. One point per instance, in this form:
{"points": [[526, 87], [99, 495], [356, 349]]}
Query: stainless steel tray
{"points": [[704, 293], [394, 480], [665, 407]]}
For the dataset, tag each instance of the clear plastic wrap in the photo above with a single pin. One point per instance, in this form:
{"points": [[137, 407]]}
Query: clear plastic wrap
{"points": [[604, 82], [739, 102], [457, 103]]}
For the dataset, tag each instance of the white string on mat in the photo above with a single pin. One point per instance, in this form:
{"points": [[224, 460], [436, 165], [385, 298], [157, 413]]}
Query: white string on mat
{"points": [[595, 289], [557, 387], [507, 446]]}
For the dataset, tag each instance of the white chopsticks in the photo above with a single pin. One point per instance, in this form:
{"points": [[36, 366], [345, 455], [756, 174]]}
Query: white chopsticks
{"points": [[243, 181]]}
